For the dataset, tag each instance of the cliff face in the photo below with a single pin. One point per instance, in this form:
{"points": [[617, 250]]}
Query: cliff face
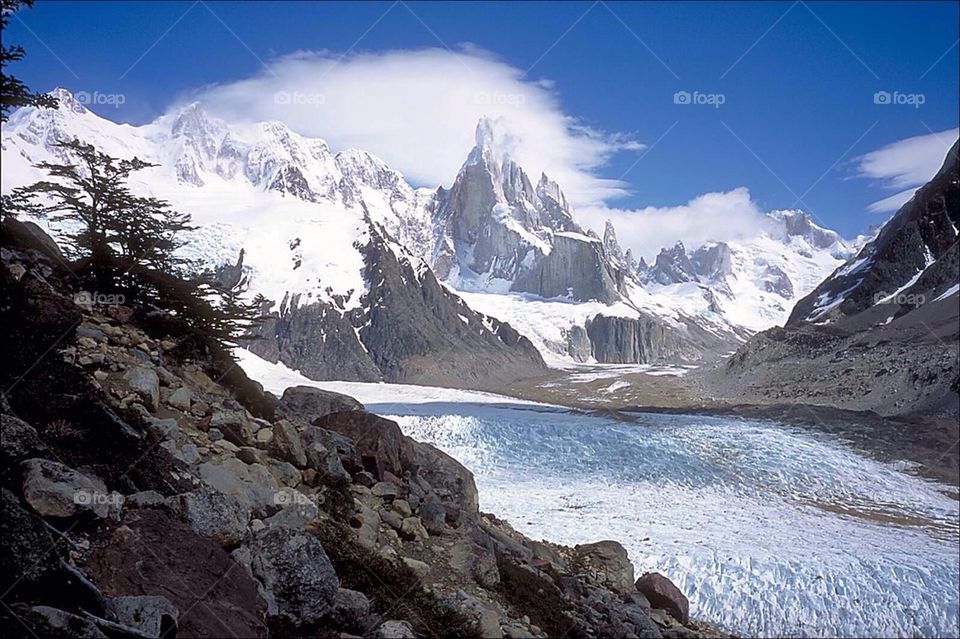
{"points": [[408, 329], [150, 489], [881, 332], [577, 268]]}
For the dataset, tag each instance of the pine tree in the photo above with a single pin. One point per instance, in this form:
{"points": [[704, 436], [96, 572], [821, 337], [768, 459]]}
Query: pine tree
{"points": [[127, 243], [14, 92]]}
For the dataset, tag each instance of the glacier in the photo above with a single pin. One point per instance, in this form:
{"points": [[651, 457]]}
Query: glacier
{"points": [[769, 529]]}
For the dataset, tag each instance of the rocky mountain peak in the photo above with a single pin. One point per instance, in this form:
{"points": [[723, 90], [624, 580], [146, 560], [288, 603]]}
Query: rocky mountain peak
{"points": [[67, 101], [610, 244]]}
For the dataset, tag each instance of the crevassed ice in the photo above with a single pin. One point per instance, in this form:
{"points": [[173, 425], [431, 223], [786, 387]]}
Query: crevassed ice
{"points": [[769, 531]]}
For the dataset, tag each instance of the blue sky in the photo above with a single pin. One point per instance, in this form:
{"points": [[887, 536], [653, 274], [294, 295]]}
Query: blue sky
{"points": [[797, 83]]}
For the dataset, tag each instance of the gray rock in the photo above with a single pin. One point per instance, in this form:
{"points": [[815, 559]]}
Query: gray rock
{"points": [[609, 562], [350, 610], [145, 383], [394, 629], [385, 489], [392, 519], [26, 552], [296, 578], [234, 425], [419, 568], [309, 403], [413, 529], [490, 625], [252, 484], [55, 490], [433, 515], [153, 615], [18, 440], [180, 398], [214, 515], [286, 444]]}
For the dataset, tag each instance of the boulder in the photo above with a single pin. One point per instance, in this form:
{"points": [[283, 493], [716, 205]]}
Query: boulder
{"points": [[378, 441], [214, 595], [26, 556], [350, 610], [448, 477], [145, 383], [412, 529], [234, 425], [18, 441], [433, 515], [180, 398], [394, 629], [662, 594], [309, 403], [215, 515], [419, 568], [252, 484], [296, 578], [55, 490], [152, 615], [286, 444], [608, 562], [326, 451]]}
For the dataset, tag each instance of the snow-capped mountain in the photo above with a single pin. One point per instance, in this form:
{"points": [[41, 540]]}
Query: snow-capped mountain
{"points": [[912, 260], [755, 281], [319, 229], [315, 232]]}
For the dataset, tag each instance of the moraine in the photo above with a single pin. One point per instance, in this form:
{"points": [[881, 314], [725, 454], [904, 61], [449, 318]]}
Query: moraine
{"points": [[769, 530]]}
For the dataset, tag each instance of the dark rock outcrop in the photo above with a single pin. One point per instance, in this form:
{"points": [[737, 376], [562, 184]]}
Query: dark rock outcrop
{"points": [[309, 403], [409, 329], [661, 593]]}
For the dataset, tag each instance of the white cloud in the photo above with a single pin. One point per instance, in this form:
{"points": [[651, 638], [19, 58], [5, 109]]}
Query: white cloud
{"points": [[709, 217], [905, 165], [417, 110]]}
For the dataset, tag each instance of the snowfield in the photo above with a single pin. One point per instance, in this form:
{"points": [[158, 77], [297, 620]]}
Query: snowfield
{"points": [[769, 530]]}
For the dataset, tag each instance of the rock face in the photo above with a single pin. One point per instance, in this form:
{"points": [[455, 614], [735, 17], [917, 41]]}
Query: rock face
{"points": [[296, 577], [309, 403], [576, 267], [379, 442], [881, 332], [910, 255], [410, 329], [494, 223], [661, 593], [55, 490], [609, 562], [622, 340]]}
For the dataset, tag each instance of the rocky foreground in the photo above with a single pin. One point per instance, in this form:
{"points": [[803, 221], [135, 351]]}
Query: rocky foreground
{"points": [[150, 489]]}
